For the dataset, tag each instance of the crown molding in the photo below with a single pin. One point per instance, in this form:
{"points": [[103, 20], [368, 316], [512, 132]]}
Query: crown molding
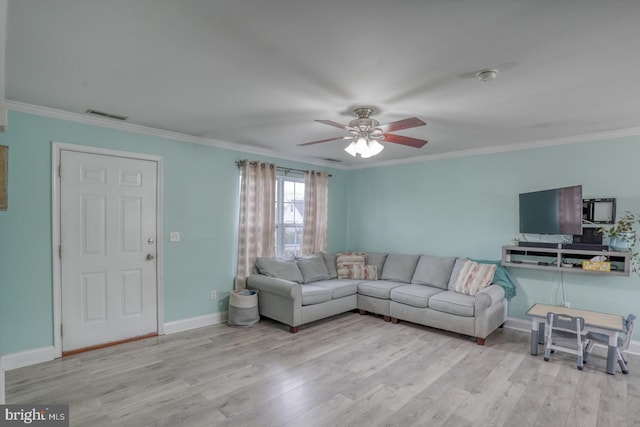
{"points": [[183, 137], [528, 145], [161, 133]]}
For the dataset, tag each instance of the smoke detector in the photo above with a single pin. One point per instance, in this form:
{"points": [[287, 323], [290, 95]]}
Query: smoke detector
{"points": [[487, 75]]}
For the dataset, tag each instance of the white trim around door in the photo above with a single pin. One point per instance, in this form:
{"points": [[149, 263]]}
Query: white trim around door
{"points": [[56, 149]]}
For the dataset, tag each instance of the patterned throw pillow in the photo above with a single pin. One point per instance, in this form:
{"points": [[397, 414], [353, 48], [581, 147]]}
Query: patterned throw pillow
{"points": [[363, 272], [473, 277], [345, 261]]}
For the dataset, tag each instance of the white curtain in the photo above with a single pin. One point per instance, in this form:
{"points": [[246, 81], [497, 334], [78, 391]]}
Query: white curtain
{"points": [[256, 227], [316, 195]]}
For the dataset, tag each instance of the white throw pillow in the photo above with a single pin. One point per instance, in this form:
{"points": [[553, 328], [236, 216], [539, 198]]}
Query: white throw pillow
{"points": [[473, 277]]}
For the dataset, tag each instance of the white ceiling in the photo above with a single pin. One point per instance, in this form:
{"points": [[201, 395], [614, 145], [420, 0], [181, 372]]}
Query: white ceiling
{"points": [[257, 73]]}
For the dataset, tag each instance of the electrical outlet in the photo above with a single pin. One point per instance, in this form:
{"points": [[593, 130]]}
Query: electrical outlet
{"points": [[214, 295]]}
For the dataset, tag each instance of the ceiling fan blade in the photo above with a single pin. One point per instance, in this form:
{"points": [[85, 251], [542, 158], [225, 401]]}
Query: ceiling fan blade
{"points": [[411, 122], [335, 124], [325, 140], [405, 140]]}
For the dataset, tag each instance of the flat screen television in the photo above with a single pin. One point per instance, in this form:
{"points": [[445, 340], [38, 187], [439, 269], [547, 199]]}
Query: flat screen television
{"points": [[555, 211]]}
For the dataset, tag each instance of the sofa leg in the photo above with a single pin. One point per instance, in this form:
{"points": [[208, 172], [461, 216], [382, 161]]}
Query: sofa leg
{"points": [[387, 318], [293, 329], [479, 341], [394, 320], [362, 312]]}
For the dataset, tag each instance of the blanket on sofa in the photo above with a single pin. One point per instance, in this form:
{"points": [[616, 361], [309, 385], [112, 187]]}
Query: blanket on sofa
{"points": [[502, 278]]}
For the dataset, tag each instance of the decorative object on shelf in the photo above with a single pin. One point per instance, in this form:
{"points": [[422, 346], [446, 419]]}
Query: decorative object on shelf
{"points": [[596, 265], [623, 237]]}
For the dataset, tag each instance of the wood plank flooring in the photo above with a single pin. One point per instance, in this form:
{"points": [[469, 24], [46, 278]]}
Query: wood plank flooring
{"points": [[350, 370]]}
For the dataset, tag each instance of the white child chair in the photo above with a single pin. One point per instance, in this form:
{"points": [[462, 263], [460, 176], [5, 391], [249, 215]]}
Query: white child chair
{"points": [[565, 333]]}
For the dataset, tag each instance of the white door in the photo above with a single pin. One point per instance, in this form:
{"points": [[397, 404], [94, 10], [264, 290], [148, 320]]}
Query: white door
{"points": [[108, 247]]}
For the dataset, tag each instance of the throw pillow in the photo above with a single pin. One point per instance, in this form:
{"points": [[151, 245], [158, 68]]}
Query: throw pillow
{"points": [[345, 260], [457, 266], [399, 268], [363, 272], [330, 262], [433, 271], [473, 277], [286, 269], [313, 268], [377, 259]]}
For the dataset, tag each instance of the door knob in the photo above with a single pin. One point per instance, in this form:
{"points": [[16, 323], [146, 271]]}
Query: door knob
{"points": [[150, 257]]}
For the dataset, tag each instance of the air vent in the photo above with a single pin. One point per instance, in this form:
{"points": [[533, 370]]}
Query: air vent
{"points": [[107, 115], [333, 160]]}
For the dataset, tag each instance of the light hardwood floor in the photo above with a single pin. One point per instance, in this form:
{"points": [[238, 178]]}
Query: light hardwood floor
{"points": [[350, 370]]}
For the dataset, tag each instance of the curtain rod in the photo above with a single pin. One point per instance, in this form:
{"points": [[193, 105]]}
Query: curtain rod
{"points": [[279, 168]]}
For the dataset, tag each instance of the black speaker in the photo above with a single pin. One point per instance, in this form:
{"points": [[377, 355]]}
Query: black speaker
{"points": [[589, 235]]}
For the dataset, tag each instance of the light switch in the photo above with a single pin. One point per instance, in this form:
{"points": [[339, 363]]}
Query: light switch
{"points": [[174, 236]]}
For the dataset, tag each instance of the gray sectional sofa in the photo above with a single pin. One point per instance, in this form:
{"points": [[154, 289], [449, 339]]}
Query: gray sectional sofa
{"points": [[414, 288]]}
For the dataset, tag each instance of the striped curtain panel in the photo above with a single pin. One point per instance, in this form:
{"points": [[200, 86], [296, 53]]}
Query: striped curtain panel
{"points": [[316, 200], [256, 229]]}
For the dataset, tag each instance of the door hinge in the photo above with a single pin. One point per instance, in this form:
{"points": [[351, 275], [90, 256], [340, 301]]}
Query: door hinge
{"points": [[60, 329], [60, 171], [59, 251]]}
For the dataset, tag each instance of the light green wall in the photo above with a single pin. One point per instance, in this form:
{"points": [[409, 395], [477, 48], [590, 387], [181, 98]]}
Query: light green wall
{"points": [[463, 206], [469, 207], [200, 201]]}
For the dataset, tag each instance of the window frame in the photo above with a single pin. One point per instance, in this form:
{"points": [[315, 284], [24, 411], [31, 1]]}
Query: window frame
{"points": [[280, 226]]}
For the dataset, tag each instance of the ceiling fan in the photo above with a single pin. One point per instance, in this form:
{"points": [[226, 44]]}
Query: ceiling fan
{"points": [[367, 132]]}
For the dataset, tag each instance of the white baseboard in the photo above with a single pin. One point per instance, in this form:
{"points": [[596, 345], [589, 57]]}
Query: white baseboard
{"points": [[518, 324], [525, 326], [26, 358], [195, 322], [45, 354]]}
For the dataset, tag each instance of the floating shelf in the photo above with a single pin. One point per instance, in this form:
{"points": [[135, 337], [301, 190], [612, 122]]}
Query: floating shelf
{"points": [[559, 259]]}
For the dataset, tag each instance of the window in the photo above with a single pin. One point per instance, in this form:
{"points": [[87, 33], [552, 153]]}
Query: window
{"points": [[289, 215]]}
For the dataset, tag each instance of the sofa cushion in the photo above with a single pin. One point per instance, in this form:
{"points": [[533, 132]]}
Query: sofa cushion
{"points": [[457, 266], [399, 268], [339, 287], [286, 269], [330, 263], [453, 303], [433, 271], [414, 295], [312, 294], [378, 288], [377, 259], [344, 262], [313, 268], [474, 277]]}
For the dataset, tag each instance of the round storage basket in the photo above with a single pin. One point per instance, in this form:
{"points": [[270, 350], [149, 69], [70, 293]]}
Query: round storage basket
{"points": [[243, 308]]}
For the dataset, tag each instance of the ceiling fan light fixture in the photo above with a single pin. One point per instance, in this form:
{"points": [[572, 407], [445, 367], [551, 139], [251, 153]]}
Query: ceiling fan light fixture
{"points": [[375, 147], [361, 145], [366, 133], [351, 149], [364, 147]]}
